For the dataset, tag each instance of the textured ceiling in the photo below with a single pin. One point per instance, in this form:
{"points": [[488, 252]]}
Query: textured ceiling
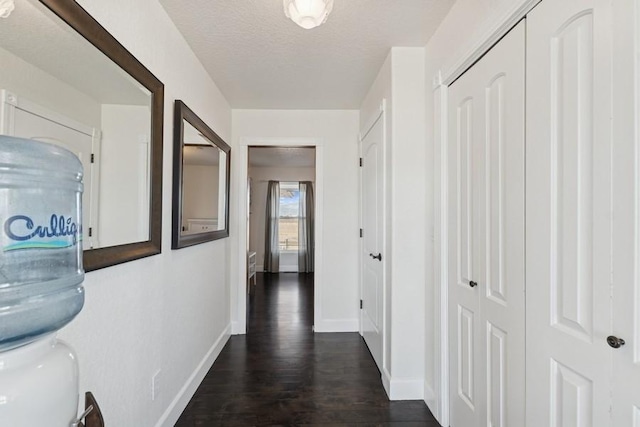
{"points": [[261, 60], [282, 157]]}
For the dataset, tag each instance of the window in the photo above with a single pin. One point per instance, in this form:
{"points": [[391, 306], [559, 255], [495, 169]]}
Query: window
{"points": [[289, 213]]}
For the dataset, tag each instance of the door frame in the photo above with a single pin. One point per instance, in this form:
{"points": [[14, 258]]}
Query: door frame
{"points": [[243, 165], [494, 30]]}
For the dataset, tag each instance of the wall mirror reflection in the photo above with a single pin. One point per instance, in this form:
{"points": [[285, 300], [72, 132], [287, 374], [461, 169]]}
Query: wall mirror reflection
{"points": [[200, 181], [65, 80]]}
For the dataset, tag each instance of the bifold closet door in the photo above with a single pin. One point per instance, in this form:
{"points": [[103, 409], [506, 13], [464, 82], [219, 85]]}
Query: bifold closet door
{"points": [[486, 235], [568, 226]]}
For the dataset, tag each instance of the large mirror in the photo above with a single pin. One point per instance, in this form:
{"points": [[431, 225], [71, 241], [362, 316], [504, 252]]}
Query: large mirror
{"points": [[65, 80], [201, 163]]}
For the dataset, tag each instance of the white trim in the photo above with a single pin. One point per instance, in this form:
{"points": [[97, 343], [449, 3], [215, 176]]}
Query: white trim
{"points": [[144, 190], [405, 388], [8, 103], [235, 328], [373, 120], [386, 231], [95, 186], [337, 325], [429, 397], [491, 35], [360, 240], [402, 389], [21, 103], [386, 381], [437, 81], [243, 161], [443, 409], [172, 413]]}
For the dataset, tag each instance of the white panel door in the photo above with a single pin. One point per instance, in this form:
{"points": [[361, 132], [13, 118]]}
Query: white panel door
{"points": [[568, 210], [486, 271], [372, 219]]}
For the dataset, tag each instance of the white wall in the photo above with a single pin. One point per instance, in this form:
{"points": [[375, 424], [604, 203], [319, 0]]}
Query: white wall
{"points": [[401, 82], [260, 177], [408, 216], [169, 312], [338, 131], [200, 193], [468, 23]]}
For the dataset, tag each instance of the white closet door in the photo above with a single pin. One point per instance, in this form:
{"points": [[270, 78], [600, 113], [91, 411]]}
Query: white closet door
{"points": [[465, 379], [568, 199], [486, 289]]}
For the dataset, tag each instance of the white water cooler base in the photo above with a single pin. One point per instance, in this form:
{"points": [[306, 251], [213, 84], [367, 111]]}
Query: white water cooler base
{"points": [[39, 384]]}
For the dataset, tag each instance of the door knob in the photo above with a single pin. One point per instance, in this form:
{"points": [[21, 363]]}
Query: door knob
{"points": [[615, 342], [472, 283], [378, 257]]}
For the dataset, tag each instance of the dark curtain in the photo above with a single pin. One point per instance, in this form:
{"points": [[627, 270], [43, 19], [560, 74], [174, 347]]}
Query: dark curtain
{"points": [[306, 224], [271, 244]]}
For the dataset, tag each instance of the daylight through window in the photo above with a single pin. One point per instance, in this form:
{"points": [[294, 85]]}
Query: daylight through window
{"points": [[289, 214]]}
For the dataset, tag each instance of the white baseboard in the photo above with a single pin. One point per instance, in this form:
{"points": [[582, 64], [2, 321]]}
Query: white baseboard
{"points": [[283, 268], [337, 325], [173, 412], [430, 400], [403, 388], [235, 328], [386, 381]]}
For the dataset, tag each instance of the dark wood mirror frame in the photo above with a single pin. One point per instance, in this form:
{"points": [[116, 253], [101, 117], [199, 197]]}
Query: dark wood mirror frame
{"points": [[80, 20], [183, 113]]}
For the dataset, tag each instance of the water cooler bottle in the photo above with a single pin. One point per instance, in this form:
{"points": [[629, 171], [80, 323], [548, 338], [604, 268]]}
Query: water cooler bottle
{"points": [[41, 278]]}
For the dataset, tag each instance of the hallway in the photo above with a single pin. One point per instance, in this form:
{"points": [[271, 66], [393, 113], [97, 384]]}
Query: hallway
{"points": [[280, 373]]}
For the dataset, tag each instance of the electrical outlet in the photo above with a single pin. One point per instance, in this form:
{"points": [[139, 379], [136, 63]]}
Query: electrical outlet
{"points": [[155, 385]]}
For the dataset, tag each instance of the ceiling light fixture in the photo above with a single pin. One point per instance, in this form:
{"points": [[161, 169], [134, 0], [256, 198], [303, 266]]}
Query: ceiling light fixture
{"points": [[6, 7], [308, 13]]}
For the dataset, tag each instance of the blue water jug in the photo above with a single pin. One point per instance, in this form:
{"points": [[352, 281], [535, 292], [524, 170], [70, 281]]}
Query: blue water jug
{"points": [[41, 270]]}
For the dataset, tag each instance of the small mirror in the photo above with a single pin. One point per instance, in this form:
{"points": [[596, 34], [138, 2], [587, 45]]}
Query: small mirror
{"points": [[65, 80], [201, 163]]}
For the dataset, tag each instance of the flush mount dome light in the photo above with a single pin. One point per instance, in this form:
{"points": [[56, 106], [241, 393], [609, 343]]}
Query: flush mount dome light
{"points": [[6, 7], [308, 13]]}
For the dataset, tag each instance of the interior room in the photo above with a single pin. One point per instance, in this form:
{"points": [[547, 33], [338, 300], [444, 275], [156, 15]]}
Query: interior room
{"points": [[291, 168], [465, 174]]}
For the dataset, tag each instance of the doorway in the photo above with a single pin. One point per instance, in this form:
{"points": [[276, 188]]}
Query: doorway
{"points": [[290, 172]]}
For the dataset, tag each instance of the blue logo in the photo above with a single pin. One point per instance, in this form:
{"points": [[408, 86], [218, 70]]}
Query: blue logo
{"points": [[60, 233]]}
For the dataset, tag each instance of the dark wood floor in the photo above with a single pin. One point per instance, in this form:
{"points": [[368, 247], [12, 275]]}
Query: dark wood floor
{"points": [[283, 374]]}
